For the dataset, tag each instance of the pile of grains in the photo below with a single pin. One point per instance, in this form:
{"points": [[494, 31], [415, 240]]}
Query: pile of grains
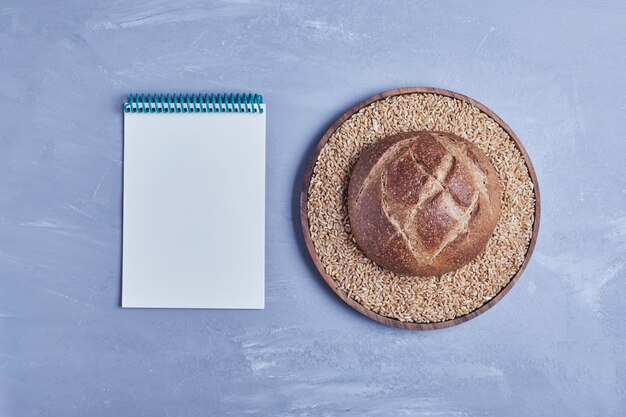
{"points": [[412, 299]]}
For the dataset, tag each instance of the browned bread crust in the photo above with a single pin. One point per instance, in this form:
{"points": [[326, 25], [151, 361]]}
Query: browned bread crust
{"points": [[423, 203]]}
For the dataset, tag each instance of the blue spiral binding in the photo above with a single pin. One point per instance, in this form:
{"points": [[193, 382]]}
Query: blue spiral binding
{"points": [[194, 103]]}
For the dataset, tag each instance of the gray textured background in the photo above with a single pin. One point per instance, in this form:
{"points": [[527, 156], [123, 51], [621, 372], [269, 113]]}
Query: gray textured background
{"points": [[555, 346]]}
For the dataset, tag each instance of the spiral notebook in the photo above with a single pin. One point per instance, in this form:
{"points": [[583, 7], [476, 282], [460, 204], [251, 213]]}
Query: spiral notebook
{"points": [[194, 207]]}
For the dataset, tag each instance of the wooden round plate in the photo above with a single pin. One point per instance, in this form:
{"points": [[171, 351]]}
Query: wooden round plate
{"points": [[305, 222]]}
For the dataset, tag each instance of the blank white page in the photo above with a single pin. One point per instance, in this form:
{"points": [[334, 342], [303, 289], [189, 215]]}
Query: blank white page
{"points": [[194, 210]]}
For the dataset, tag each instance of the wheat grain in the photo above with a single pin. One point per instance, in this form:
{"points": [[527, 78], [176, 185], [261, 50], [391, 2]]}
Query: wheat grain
{"points": [[412, 299]]}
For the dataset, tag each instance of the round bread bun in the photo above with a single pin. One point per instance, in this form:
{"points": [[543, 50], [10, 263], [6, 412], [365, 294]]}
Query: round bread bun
{"points": [[423, 203]]}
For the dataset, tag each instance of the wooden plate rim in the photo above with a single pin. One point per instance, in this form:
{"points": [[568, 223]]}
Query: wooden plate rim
{"points": [[305, 221]]}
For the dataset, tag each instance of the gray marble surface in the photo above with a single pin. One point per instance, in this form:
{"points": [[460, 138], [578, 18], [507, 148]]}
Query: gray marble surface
{"points": [[554, 71]]}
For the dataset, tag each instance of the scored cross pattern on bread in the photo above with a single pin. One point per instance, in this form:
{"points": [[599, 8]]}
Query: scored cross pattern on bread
{"points": [[423, 203]]}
